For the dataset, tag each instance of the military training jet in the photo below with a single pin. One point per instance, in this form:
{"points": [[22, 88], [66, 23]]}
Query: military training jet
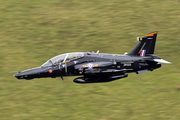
{"points": [[99, 67]]}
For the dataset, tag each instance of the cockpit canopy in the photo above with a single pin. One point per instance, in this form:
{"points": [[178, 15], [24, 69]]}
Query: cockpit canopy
{"points": [[63, 58]]}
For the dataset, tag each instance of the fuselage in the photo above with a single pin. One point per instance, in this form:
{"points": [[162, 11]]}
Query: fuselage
{"points": [[87, 63], [100, 67]]}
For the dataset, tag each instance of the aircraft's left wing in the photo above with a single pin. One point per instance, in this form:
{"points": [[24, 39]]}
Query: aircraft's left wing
{"points": [[99, 72], [98, 67]]}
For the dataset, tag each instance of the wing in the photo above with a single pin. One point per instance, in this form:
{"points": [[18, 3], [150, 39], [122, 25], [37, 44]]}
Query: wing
{"points": [[99, 72], [99, 68]]}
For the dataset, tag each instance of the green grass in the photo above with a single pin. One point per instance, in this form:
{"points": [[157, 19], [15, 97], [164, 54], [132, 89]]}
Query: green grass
{"points": [[33, 31]]}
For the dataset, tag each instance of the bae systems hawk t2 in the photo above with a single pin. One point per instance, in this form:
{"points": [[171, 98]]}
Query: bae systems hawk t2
{"points": [[100, 67]]}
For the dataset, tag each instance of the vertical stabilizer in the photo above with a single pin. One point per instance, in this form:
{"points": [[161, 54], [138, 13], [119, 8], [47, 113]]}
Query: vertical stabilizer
{"points": [[146, 45]]}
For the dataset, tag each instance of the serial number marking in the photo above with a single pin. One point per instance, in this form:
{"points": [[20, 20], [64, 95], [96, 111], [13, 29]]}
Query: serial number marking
{"points": [[127, 64]]}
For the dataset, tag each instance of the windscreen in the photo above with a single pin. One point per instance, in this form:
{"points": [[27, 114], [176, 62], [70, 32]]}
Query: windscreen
{"points": [[62, 58], [54, 61], [46, 64]]}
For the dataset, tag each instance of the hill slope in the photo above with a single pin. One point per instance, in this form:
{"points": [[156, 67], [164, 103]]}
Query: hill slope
{"points": [[32, 32]]}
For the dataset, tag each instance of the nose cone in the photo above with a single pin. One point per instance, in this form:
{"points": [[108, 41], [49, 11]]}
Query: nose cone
{"points": [[30, 73], [18, 76]]}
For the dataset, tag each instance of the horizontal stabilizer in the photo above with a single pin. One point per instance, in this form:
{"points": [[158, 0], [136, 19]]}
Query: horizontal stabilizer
{"points": [[162, 61]]}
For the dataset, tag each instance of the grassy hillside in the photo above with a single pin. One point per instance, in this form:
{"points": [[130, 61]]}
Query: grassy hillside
{"points": [[33, 31]]}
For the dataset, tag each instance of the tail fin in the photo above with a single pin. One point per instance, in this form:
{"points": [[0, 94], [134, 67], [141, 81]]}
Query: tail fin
{"points": [[146, 45]]}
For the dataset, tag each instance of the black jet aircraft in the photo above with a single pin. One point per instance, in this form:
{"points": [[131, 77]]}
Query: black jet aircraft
{"points": [[100, 67]]}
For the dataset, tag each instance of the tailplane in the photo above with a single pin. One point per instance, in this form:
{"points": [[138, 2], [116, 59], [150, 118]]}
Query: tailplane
{"points": [[146, 45]]}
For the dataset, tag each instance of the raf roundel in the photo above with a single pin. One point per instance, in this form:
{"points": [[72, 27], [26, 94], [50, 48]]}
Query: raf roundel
{"points": [[90, 66], [50, 71]]}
